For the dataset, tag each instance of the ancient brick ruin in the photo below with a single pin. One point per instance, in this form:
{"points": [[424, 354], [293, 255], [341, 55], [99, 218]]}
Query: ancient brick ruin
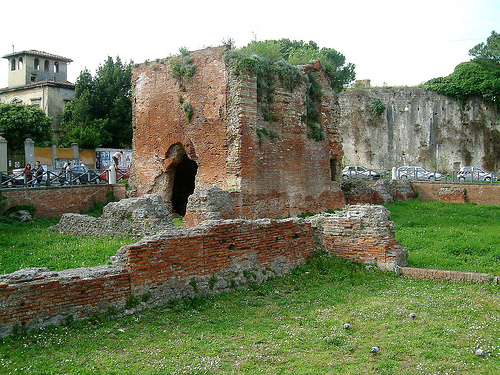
{"points": [[271, 169], [215, 256], [136, 217]]}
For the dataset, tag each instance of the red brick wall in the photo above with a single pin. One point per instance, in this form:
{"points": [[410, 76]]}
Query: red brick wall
{"points": [[55, 201], [160, 122], [155, 266], [157, 261], [476, 193], [41, 301], [276, 177]]}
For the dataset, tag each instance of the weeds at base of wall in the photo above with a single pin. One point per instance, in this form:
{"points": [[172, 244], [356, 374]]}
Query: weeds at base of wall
{"points": [[193, 284], [134, 300], [212, 281]]}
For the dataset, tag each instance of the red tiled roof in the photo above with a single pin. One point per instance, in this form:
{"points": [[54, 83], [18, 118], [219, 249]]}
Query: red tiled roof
{"points": [[34, 52]]}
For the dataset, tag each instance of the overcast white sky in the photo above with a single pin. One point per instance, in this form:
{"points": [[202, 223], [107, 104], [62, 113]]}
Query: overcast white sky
{"points": [[396, 42]]}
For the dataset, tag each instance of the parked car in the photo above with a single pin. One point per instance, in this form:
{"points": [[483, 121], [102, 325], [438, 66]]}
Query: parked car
{"points": [[79, 174], [9, 181], [418, 173], [121, 174], [475, 174], [357, 171]]}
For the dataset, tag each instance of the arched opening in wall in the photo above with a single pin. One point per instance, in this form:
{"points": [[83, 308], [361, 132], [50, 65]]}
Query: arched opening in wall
{"points": [[36, 64], [20, 63], [184, 183], [13, 64], [46, 65]]}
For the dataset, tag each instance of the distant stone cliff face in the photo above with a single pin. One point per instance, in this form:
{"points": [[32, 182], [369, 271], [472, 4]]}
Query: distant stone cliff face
{"points": [[417, 127]]}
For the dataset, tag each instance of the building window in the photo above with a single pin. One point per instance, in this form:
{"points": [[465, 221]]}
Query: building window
{"points": [[20, 63], [36, 64], [13, 64], [46, 65], [36, 102], [33, 78], [56, 67], [16, 100]]}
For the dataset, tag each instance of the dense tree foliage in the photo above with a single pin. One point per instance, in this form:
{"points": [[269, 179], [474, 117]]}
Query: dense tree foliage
{"points": [[273, 60], [490, 50], [17, 121], [298, 53], [478, 77], [101, 114]]}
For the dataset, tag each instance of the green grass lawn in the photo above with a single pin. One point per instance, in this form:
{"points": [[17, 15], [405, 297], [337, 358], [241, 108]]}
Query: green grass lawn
{"points": [[32, 245], [449, 236], [290, 325]]}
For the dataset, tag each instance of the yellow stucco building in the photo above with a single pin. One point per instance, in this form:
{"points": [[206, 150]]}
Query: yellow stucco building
{"points": [[39, 78]]}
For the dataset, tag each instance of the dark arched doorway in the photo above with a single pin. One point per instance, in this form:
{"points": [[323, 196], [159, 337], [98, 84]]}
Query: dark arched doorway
{"points": [[184, 181]]}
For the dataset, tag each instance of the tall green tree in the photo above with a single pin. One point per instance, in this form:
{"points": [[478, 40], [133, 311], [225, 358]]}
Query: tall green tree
{"points": [[17, 121], [101, 114], [478, 77], [489, 50]]}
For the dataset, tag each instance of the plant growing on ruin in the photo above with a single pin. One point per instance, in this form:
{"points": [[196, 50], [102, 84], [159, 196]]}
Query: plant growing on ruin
{"points": [[263, 132], [378, 108], [312, 100], [182, 66], [274, 60], [188, 110]]}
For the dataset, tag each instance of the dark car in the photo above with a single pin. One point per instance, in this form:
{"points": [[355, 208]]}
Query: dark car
{"points": [[9, 181], [79, 174]]}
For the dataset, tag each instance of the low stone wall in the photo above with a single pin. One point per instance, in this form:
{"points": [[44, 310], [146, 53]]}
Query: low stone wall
{"points": [[442, 275], [486, 193], [55, 201], [361, 233], [452, 194], [382, 191], [139, 217], [181, 262]]}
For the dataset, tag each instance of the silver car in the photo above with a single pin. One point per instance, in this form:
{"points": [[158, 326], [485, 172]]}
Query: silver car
{"points": [[475, 174], [418, 173], [357, 171]]}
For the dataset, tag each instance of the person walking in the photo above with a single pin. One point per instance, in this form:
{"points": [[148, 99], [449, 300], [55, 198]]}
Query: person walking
{"points": [[38, 170]]}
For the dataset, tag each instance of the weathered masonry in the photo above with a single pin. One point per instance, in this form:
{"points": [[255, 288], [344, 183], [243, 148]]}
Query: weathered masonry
{"points": [[208, 131], [185, 262]]}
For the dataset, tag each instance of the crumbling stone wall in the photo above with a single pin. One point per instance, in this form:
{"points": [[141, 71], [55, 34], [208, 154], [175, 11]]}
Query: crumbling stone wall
{"points": [[146, 215], [418, 127], [210, 203], [381, 192], [362, 233], [210, 258], [277, 176], [177, 263]]}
